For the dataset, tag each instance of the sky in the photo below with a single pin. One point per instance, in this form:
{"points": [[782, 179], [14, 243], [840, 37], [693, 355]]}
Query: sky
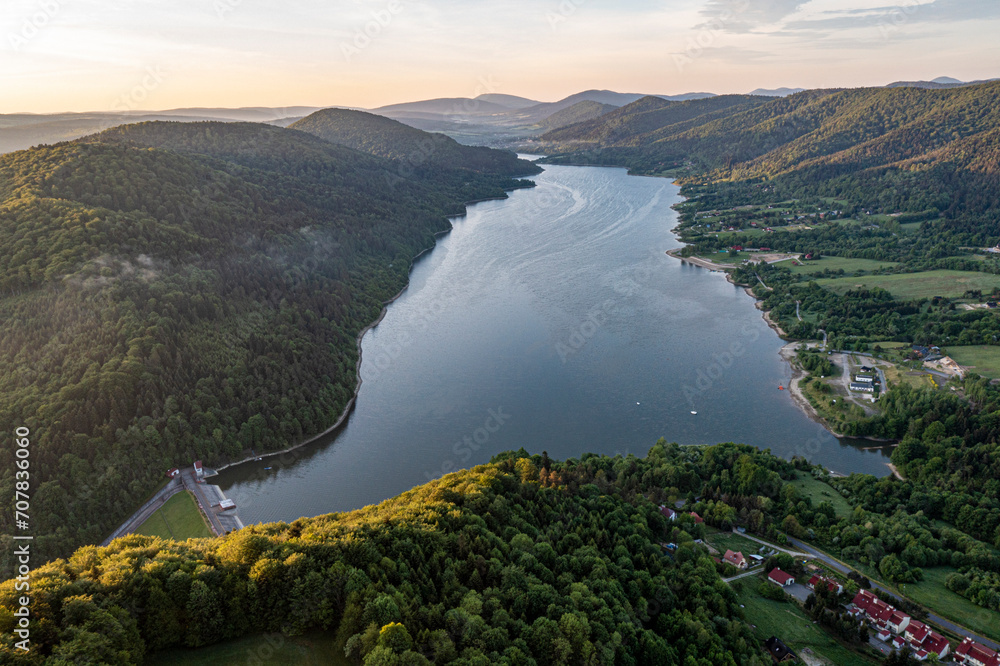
{"points": [[101, 55]]}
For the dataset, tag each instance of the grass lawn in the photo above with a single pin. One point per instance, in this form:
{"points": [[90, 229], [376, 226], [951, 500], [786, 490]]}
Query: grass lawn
{"points": [[787, 621], [312, 649], [820, 492], [723, 541], [983, 359], [837, 263], [178, 519], [926, 284], [931, 592]]}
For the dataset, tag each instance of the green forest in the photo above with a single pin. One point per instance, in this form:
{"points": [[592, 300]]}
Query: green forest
{"points": [[172, 292], [526, 560]]}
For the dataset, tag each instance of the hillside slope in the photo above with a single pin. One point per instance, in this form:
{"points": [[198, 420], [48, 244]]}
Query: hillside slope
{"points": [[522, 561], [413, 148], [174, 291]]}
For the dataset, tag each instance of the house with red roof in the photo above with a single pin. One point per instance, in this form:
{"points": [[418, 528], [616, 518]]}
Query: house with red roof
{"points": [[198, 469], [974, 654], [937, 644], [697, 518], [736, 559], [668, 513], [916, 632], [780, 578], [898, 621], [831, 584]]}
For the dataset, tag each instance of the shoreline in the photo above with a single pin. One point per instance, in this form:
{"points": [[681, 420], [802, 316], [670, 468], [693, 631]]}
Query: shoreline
{"points": [[787, 352], [349, 407]]}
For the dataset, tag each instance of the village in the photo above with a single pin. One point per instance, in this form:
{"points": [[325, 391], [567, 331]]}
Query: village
{"points": [[802, 575]]}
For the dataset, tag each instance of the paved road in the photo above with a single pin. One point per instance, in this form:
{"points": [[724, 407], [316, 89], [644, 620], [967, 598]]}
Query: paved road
{"points": [[931, 617], [771, 545]]}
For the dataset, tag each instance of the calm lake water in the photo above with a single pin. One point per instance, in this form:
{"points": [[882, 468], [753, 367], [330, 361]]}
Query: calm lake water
{"points": [[552, 321]]}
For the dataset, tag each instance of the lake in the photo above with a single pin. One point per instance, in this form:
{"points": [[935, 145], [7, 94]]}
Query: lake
{"points": [[553, 321]]}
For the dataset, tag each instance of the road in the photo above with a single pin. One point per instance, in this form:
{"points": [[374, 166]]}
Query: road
{"points": [[748, 572], [948, 625]]}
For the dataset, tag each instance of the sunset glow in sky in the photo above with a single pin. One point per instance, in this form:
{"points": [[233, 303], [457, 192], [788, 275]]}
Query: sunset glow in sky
{"points": [[90, 55]]}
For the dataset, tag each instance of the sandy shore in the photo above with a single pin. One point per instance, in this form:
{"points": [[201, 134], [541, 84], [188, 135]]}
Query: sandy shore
{"points": [[787, 354]]}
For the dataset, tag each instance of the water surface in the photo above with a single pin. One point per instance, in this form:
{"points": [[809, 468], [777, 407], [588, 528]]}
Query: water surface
{"points": [[552, 321]]}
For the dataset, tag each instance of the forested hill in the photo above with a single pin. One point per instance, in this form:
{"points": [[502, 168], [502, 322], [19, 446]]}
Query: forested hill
{"points": [[840, 131], [521, 562], [633, 124], [886, 150], [172, 292], [414, 148]]}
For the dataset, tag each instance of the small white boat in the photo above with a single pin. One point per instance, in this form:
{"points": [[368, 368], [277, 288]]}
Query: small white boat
{"points": [[693, 412]]}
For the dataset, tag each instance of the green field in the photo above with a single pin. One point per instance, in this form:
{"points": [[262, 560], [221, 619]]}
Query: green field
{"points": [[788, 622], [812, 487], [178, 519], [837, 263], [983, 359], [933, 593], [926, 284], [313, 649], [723, 541]]}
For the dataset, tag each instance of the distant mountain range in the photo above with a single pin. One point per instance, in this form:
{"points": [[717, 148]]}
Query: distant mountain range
{"points": [[832, 132], [491, 119]]}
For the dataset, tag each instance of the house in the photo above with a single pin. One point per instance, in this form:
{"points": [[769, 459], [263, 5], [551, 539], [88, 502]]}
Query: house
{"points": [[831, 585], [971, 652], [667, 512], [198, 469], [875, 610], [780, 578], [864, 379], [862, 388], [778, 650], [173, 472], [920, 655], [937, 644], [883, 635], [915, 633], [866, 368], [736, 559], [697, 518], [898, 621], [897, 642]]}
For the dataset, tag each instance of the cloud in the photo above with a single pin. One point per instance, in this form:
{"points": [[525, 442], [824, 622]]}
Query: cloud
{"points": [[906, 12], [744, 16]]}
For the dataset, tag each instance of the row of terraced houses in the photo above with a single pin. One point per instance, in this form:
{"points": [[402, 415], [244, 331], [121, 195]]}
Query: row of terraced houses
{"points": [[888, 620]]}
